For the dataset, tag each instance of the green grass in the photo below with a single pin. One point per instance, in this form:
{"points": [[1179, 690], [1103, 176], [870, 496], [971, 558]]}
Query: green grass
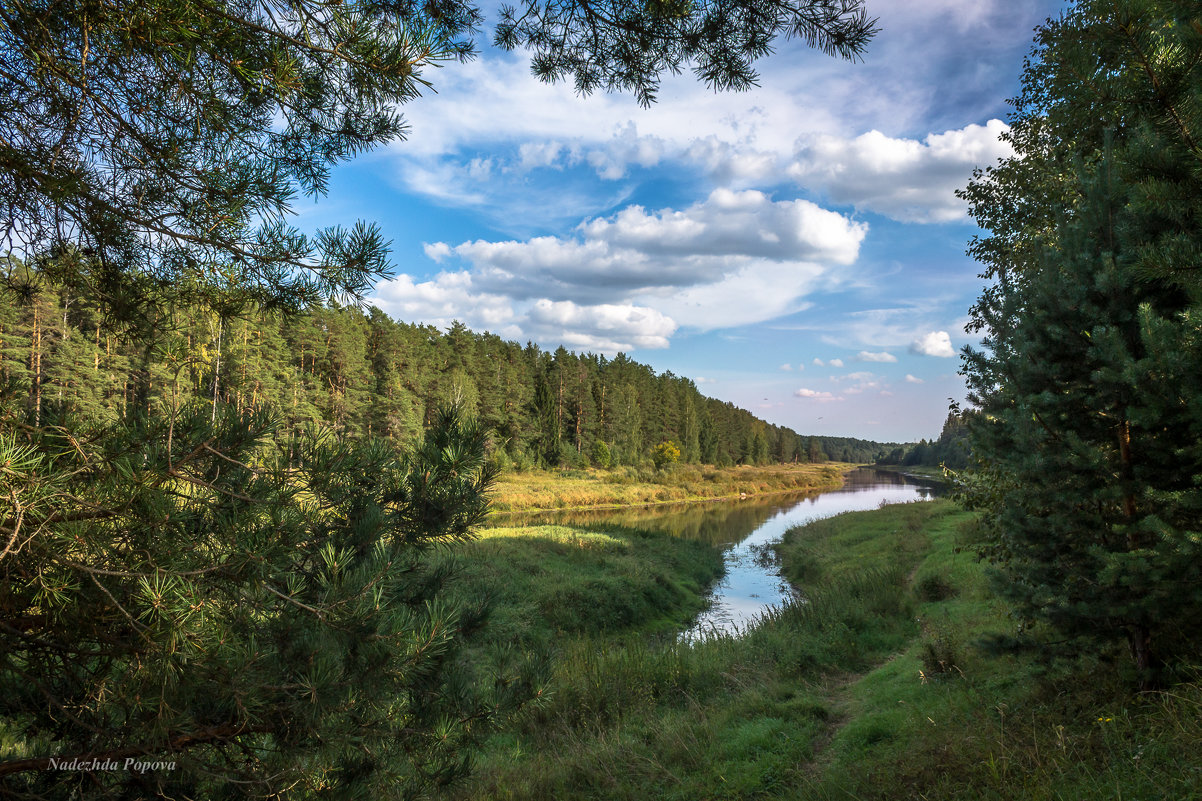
{"points": [[547, 581], [874, 687], [724, 718], [949, 719]]}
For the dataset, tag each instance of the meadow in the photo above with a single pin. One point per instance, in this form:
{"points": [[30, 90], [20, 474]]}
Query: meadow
{"points": [[885, 682], [533, 490]]}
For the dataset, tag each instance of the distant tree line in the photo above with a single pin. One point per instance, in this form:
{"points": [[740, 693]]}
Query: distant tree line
{"points": [[952, 449], [363, 375]]}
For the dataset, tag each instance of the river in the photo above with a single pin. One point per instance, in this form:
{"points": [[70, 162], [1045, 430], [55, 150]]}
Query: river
{"points": [[744, 529]]}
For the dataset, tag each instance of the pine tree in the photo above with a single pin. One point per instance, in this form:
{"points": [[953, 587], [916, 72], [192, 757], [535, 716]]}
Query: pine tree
{"points": [[172, 587], [1087, 384]]}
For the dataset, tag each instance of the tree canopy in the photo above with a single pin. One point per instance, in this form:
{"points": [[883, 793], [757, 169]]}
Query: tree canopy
{"points": [[1087, 384]]}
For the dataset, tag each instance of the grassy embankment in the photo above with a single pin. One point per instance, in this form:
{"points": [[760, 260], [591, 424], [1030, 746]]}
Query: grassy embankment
{"points": [[533, 490], [918, 470], [874, 689]]}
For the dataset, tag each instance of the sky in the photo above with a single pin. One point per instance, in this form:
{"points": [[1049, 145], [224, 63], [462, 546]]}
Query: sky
{"points": [[797, 249]]}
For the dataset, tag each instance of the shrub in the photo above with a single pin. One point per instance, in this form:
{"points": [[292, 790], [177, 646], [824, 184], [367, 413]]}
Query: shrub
{"points": [[601, 455], [665, 453]]}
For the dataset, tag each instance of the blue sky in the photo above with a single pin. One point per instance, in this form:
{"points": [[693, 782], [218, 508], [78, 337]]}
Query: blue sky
{"points": [[796, 249]]}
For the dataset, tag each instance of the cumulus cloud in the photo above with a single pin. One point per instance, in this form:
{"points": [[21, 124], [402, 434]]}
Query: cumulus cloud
{"points": [[631, 279], [445, 298], [910, 379], [935, 343], [626, 148], [786, 367], [818, 362], [746, 223], [835, 363], [812, 394], [904, 179], [869, 356], [603, 328], [744, 240]]}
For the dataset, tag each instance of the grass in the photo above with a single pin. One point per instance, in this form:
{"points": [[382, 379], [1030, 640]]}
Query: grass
{"points": [[874, 687], [535, 490], [728, 717], [547, 581], [949, 719]]}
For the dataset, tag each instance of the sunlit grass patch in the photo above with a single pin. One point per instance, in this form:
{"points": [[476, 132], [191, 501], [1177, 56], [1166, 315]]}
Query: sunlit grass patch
{"points": [[568, 535], [631, 486]]}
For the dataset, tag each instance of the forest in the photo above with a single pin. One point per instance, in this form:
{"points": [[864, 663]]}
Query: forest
{"points": [[361, 374]]}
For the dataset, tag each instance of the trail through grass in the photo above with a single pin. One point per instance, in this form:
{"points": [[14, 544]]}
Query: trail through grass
{"points": [[875, 686]]}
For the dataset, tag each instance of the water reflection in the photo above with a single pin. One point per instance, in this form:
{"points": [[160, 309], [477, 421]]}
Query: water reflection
{"points": [[744, 529], [752, 582]]}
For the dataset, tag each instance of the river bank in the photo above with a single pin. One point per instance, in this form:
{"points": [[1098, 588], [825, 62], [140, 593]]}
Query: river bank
{"points": [[539, 490], [876, 687]]}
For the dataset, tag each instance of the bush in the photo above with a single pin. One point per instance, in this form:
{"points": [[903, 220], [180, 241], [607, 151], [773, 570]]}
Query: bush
{"points": [[601, 455], [665, 453]]}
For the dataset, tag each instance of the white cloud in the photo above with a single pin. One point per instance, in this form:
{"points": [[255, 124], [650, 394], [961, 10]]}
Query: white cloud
{"points": [[818, 362], [786, 367], [603, 328], [835, 362], [888, 327], [905, 179], [626, 148], [882, 356], [811, 394], [859, 382], [532, 155], [736, 258], [735, 242], [913, 379], [935, 343], [443, 299], [757, 291], [436, 251], [735, 222]]}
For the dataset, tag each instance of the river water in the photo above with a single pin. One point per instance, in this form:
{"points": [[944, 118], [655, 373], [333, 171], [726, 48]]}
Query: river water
{"points": [[744, 530]]}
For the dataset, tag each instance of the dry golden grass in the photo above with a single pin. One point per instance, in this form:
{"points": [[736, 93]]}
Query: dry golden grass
{"points": [[626, 486]]}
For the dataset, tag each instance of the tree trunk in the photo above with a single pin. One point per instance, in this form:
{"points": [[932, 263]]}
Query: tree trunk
{"points": [[35, 363], [217, 368], [1139, 636]]}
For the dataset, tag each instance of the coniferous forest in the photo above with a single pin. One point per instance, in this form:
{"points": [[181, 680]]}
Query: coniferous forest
{"points": [[361, 374]]}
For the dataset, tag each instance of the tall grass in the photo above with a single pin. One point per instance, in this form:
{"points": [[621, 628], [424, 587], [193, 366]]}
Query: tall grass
{"points": [[871, 685], [628, 486], [729, 715]]}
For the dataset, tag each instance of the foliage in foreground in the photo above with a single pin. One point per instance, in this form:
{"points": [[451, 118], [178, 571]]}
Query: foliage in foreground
{"points": [[169, 141], [174, 591]]}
